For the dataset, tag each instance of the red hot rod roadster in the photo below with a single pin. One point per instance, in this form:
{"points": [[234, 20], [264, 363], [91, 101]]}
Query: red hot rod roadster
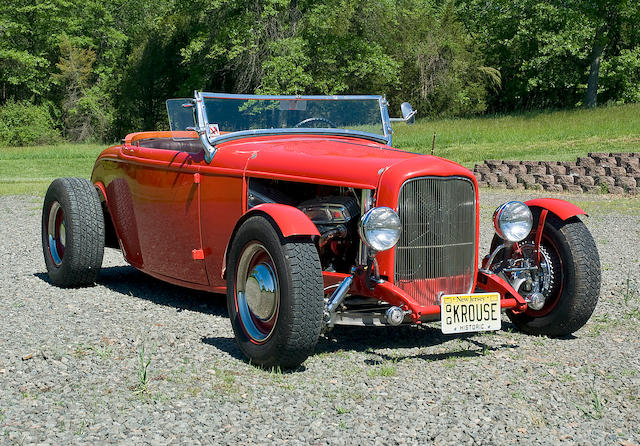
{"points": [[301, 211]]}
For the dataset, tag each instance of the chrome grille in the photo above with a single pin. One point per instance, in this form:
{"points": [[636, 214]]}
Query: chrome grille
{"points": [[436, 252]]}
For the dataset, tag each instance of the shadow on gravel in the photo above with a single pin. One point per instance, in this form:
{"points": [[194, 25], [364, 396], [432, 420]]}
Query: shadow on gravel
{"points": [[366, 339], [131, 282], [229, 346]]}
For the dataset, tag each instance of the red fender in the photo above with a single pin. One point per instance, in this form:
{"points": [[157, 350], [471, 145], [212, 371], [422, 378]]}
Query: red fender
{"points": [[290, 220], [563, 209]]}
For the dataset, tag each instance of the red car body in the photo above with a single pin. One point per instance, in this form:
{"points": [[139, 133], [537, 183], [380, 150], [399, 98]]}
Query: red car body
{"points": [[299, 209], [176, 214]]}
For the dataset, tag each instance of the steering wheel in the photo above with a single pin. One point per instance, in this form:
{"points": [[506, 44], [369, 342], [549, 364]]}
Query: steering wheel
{"points": [[309, 120]]}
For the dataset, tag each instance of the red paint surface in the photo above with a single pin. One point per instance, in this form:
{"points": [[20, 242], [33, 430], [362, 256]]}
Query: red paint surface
{"points": [[168, 204], [561, 208]]}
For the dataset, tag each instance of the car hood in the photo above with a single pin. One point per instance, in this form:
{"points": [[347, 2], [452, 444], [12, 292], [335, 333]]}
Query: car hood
{"points": [[331, 160]]}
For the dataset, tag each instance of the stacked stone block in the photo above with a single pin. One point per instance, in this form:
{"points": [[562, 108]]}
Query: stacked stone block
{"points": [[613, 173]]}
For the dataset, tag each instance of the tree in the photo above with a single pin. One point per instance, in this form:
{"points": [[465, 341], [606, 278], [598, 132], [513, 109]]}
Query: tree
{"points": [[608, 17]]}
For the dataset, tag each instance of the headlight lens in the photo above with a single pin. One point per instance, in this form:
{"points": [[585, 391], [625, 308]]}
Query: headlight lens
{"points": [[380, 228], [513, 221]]}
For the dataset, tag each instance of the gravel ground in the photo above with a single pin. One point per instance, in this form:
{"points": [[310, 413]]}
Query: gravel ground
{"points": [[70, 363]]}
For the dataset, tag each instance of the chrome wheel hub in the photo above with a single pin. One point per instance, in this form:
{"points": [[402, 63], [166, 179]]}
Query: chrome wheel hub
{"points": [[56, 233], [533, 283], [257, 292]]}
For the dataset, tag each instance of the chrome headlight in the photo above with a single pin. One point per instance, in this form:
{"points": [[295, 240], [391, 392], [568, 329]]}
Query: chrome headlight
{"points": [[380, 228], [513, 221]]}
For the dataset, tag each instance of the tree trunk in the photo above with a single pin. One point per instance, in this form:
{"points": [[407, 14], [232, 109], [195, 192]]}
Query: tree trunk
{"points": [[591, 96]]}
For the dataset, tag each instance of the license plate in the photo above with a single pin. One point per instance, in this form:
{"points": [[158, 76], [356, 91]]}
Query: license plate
{"points": [[460, 313]]}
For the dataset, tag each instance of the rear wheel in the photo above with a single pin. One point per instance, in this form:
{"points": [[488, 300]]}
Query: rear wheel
{"points": [[568, 278], [72, 232], [274, 295]]}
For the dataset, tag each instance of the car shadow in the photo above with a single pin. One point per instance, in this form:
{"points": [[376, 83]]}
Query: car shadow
{"points": [[129, 281], [373, 339]]}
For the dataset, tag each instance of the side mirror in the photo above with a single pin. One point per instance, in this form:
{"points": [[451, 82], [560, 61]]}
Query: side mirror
{"points": [[408, 113]]}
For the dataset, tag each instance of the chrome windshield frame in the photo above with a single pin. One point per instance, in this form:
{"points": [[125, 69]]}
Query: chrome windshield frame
{"points": [[212, 140], [274, 132]]}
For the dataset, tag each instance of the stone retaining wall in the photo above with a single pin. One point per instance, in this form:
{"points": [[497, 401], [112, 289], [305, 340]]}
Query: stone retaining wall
{"points": [[613, 173]]}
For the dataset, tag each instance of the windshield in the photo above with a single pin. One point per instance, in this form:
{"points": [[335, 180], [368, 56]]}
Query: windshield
{"points": [[232, 114]]}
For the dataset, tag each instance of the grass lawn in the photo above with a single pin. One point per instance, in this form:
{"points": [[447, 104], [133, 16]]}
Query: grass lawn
{"points": [[556, 135], [537, 136], [30, 170]]}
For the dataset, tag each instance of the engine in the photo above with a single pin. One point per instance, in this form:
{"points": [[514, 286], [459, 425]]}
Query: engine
{"points": [[335, 212], [336, 218]]}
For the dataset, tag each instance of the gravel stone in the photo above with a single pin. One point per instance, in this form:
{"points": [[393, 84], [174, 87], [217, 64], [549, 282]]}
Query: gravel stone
{"points": [[537, 170], [572, 188], [545, 179], [586, 161], [609, 181], [615, 171], [625, 182], [556, 170], [553, 187], [518, 169], [633, 191], [633, 171], [490, 177], [398, 385], [592, 189], [585, 181], [526, 178], [564, 179], [595, 171], [607, 162], [576, 170]]}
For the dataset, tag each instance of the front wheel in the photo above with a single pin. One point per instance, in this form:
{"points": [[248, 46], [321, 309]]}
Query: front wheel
{"points": [[568, 277], [274, 295]]}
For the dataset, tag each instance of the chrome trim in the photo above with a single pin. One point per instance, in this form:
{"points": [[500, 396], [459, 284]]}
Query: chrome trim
{"points": [[492, 257], [203, 128], [437, 249], [339, 294], [355, 97], [384, 113], [257, 292], [361, 319], [366, 203], [386, 122], [336, 299], [56, 234], [298, 131]]}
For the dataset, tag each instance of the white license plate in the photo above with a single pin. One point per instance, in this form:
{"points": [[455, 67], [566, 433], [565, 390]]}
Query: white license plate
{"points": [[460, 313]]}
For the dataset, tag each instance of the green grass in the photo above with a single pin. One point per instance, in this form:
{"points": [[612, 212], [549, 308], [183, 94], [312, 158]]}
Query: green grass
{"points": [[30, 170], [555, 135]]}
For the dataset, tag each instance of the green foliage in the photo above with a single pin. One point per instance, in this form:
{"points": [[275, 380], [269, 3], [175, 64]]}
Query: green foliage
{"points": [[546, 49], [23, 124], [106, 68]]}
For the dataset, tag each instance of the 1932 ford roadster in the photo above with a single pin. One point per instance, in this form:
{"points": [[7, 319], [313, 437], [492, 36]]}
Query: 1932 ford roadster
{"points": [[298, 208]]}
